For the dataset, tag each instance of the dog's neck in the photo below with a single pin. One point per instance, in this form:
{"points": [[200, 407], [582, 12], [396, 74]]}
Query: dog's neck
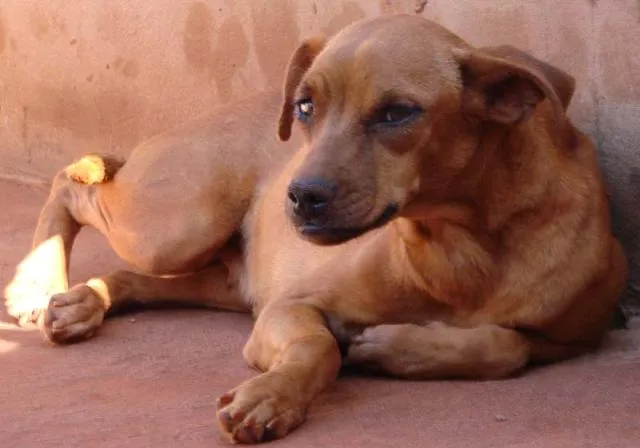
{"points": [[460, 230], [507, 173]]}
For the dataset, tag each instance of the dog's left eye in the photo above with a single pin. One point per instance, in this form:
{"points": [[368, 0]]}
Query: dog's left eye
{"points": [[304, 109], [396, 115]]}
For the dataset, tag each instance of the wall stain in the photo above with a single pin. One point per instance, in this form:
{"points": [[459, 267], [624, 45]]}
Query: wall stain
{"points": [[229, 56], [395, 6], [25, 133], [197, 34], [3, 35], [351, 12], [39, 24], [275, 36], [388, 7], [89, 114], [130, 69], [42, 24], [126, 67], [221, 59], [419, 6]]}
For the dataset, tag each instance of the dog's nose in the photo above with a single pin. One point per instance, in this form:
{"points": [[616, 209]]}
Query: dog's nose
{"points": [[310, 198]]}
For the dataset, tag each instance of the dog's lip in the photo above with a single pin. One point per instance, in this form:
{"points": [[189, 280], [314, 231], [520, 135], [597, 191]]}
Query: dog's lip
{"points": [[334, 235]]}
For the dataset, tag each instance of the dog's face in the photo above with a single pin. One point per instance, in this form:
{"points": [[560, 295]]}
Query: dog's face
{"points": [[389, 109]]}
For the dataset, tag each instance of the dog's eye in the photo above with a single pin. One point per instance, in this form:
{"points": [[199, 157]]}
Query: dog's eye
{"points": [[304, 109], [396, 115]]}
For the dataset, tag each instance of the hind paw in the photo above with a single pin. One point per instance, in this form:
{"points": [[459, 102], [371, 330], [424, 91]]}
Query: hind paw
{"points": [[27, 297]]}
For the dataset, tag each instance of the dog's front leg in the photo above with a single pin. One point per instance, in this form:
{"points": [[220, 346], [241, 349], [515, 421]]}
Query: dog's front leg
{"points": [[437, 351], [300, 358]]}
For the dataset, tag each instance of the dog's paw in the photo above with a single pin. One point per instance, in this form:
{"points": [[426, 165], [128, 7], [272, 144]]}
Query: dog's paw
{"points": [[40, 275], [26, 307], [74, 315], [386, 348], [372, 344], [27, 296], [260, 410]]}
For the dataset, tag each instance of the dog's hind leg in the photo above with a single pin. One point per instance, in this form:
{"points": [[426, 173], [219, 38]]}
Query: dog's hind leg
{"points": [[78, 313], [439, 351], [44, 271]]}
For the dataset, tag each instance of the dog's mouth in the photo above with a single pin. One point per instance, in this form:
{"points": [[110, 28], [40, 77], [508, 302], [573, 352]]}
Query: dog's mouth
{"points": [[326, 236]]}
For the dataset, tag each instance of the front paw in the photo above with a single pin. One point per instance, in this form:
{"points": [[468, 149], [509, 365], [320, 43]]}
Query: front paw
{"points": [[262, 409], [74, 315]]}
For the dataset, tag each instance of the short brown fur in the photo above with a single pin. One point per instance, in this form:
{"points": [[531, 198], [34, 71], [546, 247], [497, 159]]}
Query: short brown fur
{"points": [[474, 224]]}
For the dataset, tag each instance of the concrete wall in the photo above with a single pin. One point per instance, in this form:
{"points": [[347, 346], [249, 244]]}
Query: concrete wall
{"points": [[89, 75]]}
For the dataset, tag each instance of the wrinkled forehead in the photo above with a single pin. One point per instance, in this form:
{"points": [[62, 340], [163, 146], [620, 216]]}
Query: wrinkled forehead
{"points": [[385, 58]]}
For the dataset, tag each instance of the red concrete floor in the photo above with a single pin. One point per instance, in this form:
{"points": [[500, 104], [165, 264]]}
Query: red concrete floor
{"points": [[151, 379]]}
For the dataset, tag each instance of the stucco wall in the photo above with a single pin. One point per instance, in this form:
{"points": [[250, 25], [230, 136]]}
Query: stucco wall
{"points": [[88, 75]]}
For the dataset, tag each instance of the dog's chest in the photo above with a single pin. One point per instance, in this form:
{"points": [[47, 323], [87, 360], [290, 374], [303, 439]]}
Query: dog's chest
{"points": [[276, 258]]}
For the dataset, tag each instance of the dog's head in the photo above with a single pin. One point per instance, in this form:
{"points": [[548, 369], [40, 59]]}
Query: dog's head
{"points": [[391, 109]]}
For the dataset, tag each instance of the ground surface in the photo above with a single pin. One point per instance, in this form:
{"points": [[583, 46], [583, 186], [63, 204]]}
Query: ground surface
{"points": [[151, 379]]}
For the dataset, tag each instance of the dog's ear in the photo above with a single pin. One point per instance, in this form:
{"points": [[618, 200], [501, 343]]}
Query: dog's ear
{"points": [[299, 63], [504, 85]]}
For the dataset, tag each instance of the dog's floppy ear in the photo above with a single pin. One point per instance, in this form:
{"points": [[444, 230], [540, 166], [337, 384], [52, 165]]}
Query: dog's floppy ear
{"points": [[299, 63], [504, 85]]}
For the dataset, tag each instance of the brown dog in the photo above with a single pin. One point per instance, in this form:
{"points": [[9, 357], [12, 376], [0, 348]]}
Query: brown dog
{"points": [[474, 226]]}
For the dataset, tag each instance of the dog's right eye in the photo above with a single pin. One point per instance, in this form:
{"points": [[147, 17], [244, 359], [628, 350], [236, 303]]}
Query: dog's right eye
{"points": [[396, 115], [304, 109]]}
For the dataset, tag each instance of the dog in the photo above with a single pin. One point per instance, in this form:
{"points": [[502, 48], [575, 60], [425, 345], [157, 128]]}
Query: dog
{"points": [[433, 213]]}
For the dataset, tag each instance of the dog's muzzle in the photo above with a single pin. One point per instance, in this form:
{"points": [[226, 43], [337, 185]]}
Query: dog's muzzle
{"points": [[326, 235]]}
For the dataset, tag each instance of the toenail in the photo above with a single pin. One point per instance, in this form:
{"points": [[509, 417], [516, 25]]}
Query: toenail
{"points": [[226, 421], [224, 400], [243, 435], [271, 430], [238, 416], [250, 423]]}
